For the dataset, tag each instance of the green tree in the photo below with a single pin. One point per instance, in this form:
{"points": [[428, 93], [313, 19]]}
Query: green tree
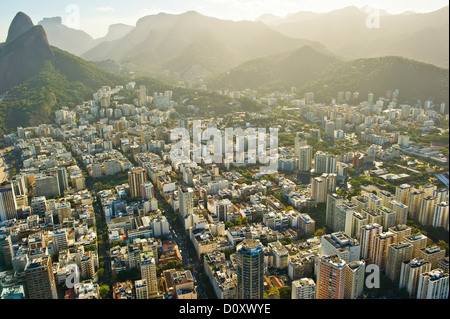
{"points": [[319, 232], [228, 224], [227, 253], [104, 291], [286, 241], [172, 264], [285, 292]]}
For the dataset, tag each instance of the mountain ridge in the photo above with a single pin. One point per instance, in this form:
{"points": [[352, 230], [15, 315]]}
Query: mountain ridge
{"points": [[20, 24], [310, 71], [163, 37], [345, 32], [38, 77]]}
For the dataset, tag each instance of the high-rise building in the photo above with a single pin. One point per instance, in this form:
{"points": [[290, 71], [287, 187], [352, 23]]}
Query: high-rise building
{"points": [[304, 288], [401, 212], [298, 143], [309, 97], [343, 219], [186, 199], [188, 176], [63, 179], [429, 190], [306, 224], [360, 202], [373, 217], [358, 220], [148, 272], [354, 279], [419, 242], [148, 191], [397, 254], [426, 210], [347, 248], [342, 172], [20, 133], [142, 95], [367, 241], [440, 215], [403, 140], [386, 197], [319, 189], [280, 255], [20, 187], [250, 269], [332, 201], [373, 200], [381, 249], [6, 250], [46, 185], [136, 178], [442, 195], [432, 254], [329, 129], [330, 278], [402, 231], [315, 133], [406, 111], [8, 205], [410, 272], [181, 284], [183, 123], [78, 181], [433, 285], [370, 98], [87, 266], [414, 199], [443, 264], [141, 289], [402, 193], [305, 155], [59, 239], [324, 163], [40, 279], [388, 216]]}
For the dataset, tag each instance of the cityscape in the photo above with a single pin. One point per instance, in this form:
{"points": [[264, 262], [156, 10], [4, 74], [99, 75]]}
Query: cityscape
{"points": [[296, 174]]}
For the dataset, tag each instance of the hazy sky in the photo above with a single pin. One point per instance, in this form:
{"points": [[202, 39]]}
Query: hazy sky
{"points": [[94, 16]]}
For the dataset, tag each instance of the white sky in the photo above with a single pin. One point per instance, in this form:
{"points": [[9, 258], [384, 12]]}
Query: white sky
{"points": [[94, 17]]}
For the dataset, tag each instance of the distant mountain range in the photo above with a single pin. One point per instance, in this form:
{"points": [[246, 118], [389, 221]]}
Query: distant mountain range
{"points": [[38, 77], [420, 36], [78, 41], [177, 43]]}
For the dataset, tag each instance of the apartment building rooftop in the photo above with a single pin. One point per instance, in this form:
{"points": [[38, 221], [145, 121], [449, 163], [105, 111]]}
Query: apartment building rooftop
{"points": [[334, 260]]}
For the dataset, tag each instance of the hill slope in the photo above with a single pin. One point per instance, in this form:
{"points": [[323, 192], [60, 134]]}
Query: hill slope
{"points": [[39, 78], [325, 75], [414, 80], [285, 70], [25, 49]]}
